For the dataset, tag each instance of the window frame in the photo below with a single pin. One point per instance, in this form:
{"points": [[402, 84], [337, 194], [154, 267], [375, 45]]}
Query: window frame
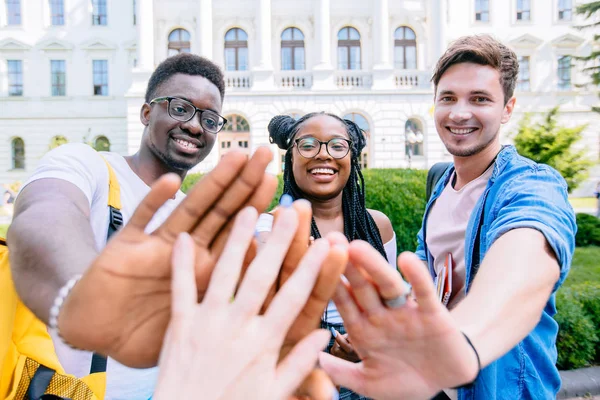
{"points": [[560, 10], [482, 11], [180, 46], [58, 89], [350, 44], [13, 156], [520, 81], [521, 10], [560, 67], [102, 73], [236, 44], [293, 44], [404, 44], [57, 12], [15, 88], [14, 12], [99, 13]]}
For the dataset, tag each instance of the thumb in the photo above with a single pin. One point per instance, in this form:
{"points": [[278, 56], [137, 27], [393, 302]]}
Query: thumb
{"points": [[343, 373]]}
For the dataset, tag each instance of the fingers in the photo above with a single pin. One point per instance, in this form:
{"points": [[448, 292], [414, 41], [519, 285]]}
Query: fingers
{"points": [[422, 285], [264, 269], [343, 342], [203, 194], [292, 370], [299, 245], [227, 271], [343, 373], [346, 305], [293, 295], [234, 197], [162, 190], [183, 284]]}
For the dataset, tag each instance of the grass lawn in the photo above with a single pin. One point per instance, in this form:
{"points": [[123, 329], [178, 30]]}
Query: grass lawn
{"points": [[3, 229], [583, 202], [585, 266]]}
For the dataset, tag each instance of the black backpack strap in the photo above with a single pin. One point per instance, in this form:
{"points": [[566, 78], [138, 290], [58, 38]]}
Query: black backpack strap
{"points": [[434, 175], [39, 383]]}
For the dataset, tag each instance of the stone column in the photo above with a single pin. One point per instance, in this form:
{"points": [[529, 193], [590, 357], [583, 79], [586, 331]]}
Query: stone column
{"points": [[204, 29], [145, 35], [382, 68], [323, 77], [437, 30], [262, 73]]}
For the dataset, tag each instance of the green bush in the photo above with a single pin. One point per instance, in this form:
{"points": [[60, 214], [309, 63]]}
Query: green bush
{"points": [[3, 230], [577, 339], [189, 181], [588, 230], [588, 295]]}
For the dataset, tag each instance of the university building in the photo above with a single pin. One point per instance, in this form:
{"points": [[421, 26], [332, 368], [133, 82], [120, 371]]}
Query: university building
{"points": [[76, 70]]}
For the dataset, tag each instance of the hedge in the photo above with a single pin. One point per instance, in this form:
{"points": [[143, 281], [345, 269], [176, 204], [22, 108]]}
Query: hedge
{"points": [[578, 317], [398, 193], [588, 230]]}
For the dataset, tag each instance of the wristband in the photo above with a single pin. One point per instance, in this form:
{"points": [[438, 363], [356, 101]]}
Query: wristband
{"points": [[478, 362], [57, 304]]}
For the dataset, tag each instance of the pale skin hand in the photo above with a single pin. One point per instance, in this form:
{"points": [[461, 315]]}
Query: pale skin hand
{"points": [[226, 349], [132, 274], [418, 349]]}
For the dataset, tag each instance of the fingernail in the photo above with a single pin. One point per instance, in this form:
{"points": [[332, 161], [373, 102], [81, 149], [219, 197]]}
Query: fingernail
{"points": [[333, 332], [344, 279], [286, 201], [335, 395]]}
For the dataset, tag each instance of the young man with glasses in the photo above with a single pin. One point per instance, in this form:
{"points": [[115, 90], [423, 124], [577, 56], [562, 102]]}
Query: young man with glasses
{"points": [[62, 219], [507, 224]]}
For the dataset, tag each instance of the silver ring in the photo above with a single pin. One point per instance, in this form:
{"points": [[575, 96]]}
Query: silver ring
{"points": [[398, 301]]}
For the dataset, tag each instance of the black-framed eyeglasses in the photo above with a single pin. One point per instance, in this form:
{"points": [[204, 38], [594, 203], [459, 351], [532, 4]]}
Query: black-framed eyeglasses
{"points": [[309, 147], [182, 110]]}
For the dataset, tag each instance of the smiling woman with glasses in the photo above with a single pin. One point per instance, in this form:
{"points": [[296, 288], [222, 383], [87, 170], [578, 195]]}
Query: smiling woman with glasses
{"points": [[182, 110], [321, 166]]}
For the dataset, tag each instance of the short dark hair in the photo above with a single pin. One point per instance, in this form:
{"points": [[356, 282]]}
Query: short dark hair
{"points": [[185, 63], [483, 50]]}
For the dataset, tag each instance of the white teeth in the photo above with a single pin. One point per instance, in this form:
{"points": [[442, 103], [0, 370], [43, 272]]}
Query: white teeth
{"points": [[186, 144], [327, 171], [461, 131]]}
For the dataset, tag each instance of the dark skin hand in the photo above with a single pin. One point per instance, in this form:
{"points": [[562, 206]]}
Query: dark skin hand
{"points": [[132, 274], [342, 348]]}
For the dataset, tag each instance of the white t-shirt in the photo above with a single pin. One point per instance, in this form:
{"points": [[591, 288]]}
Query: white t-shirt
{"points": [[265, 224], [82, 166]]}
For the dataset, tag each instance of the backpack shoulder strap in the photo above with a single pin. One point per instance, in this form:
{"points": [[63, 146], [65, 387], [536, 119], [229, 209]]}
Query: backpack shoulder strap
{"points": [[434, 175], [114, 190]]}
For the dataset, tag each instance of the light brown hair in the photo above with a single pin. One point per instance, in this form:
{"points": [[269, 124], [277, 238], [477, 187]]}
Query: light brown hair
{"points": [[483, 50]]}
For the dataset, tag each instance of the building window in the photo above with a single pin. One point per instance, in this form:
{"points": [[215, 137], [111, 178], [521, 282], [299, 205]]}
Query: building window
{"points": [[13, 12], [243, 144], [523, 10], [99, 12], [358, 119], [348, 48], [523, 81], [413, 139], [58, 77], [236, 50], [100, 78], [292, 49], [179, 42], [101, 143], [134, 13], [482, 10], [15, 77], [565, 8], [405, 48], [564, 72], [18, 153], [57, 12], [235, 135], [56, 141]]}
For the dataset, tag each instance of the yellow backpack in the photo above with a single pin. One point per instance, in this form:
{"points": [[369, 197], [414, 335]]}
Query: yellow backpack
{"points": [[30, 369]]}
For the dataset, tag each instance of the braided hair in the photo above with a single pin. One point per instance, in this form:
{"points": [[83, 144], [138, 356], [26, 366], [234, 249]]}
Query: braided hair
{"points": [[358, 223]]}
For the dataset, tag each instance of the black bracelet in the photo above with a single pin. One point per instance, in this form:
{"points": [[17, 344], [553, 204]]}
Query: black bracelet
{"points": [[478, 363]]}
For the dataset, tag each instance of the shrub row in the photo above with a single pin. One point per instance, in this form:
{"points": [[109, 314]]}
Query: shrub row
{"points": [[398, 193], [578, 317], [588, 230]]}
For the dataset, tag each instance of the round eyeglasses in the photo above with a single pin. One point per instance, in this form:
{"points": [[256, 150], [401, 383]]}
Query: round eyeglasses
{"points": [[182, 110], [309, 147]]}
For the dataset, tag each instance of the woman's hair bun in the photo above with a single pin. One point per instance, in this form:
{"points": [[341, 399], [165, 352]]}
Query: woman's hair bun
{"points": [[280, 130]]}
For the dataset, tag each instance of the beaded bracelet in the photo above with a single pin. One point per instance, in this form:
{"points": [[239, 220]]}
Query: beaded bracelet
{"points": [[57, 304]]}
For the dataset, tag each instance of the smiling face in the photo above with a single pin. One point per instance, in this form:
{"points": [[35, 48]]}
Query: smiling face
{"points": [[180, 145], [321, 177], [469, 108]]}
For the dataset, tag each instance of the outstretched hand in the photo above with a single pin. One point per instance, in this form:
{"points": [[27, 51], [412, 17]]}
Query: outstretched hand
{"points": [[122, 304], [228, 349], [412, 351]]}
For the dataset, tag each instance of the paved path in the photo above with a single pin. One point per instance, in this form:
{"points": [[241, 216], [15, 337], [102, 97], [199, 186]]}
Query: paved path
{"points": [[580, 382]]}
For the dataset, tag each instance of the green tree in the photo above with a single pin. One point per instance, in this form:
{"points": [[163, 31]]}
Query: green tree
{"points": [[56, 141], [549, 143], [591, 11]]}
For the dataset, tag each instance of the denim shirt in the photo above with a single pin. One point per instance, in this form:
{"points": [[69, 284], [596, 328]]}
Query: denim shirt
{"points": [[519, 194]]}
